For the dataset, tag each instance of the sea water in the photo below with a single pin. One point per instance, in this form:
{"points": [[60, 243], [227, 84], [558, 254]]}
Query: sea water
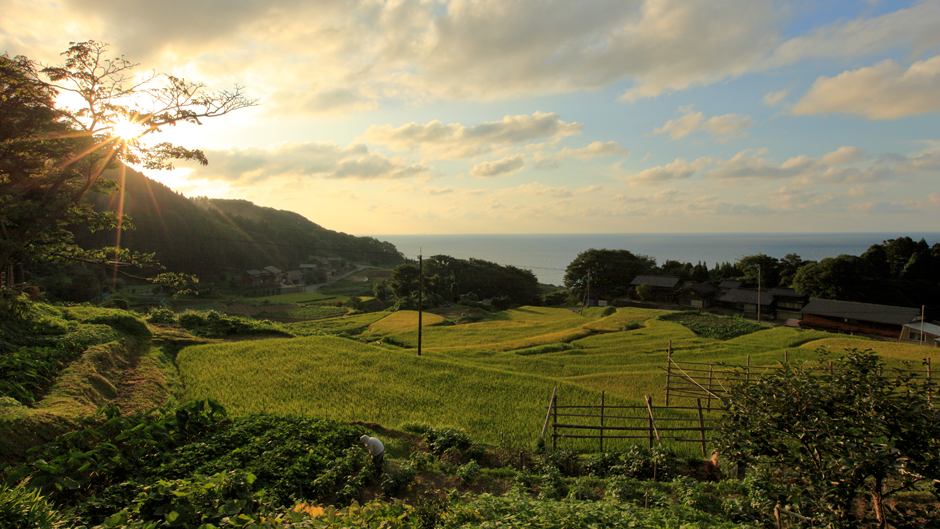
{"points": [[549, 255]]}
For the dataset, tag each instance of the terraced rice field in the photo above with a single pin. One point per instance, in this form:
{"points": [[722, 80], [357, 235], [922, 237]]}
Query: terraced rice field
{"points": [[470, 376]]}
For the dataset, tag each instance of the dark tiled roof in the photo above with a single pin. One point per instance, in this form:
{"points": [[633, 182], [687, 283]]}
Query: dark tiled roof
{"points": [[728, 284], [741, 295], [702, 288], [785, 292], [253, 272], [861, 311], [657, 281]]}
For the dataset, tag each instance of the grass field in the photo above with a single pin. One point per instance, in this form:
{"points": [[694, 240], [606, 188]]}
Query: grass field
{"points": [[470, 376]]}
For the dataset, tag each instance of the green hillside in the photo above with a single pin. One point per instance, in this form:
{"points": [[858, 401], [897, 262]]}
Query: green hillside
{"points": [[203, 235]]}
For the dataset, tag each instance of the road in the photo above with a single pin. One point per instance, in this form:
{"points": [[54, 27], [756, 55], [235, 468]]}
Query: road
{"points": [[312, 289]]}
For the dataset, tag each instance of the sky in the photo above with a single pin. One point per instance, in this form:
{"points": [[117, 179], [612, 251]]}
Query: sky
{"points": [[587, 116]]}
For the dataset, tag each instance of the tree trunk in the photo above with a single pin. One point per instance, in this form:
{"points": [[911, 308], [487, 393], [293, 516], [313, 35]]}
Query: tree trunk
{"points": [[877, 500]]}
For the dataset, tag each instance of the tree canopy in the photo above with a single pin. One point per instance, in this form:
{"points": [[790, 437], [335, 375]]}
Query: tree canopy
{"points": [[610, 272], [51, 157]]}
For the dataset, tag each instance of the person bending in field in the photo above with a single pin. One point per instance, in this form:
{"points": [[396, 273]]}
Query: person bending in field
{"points": [[376, 450]]}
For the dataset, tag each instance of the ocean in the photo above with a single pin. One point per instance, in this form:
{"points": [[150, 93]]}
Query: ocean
{"points": [[548, 255]]}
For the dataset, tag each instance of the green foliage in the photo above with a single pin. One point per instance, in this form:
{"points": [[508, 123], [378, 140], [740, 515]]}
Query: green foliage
{"points": [[522, 511], [164, 316], [224, 499], [25, 507], [833, 434], [126, 323], [610, 271], [636, 462], [712, 326], [87, 460], [214, 324], [398, 481], [286, 454]]}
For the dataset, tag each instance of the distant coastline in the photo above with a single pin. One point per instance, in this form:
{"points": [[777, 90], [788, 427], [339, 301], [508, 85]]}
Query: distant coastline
{"points": [[547, 255]]}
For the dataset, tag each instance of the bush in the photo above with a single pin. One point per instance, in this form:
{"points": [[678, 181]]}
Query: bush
{"points": [[398, 481], [195, 502], [833, 435], [164, 316]]}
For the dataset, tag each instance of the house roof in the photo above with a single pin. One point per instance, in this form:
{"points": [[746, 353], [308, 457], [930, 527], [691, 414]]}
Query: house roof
{"points": [[729, 284], [253, 272], [657, 281], [272, 269], [929, 328], [743, 295], [785, 292], [702, 288], [313, 266], [861, 311]]}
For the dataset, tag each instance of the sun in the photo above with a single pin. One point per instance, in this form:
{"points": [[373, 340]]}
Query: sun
{"points": [[127, 130]]}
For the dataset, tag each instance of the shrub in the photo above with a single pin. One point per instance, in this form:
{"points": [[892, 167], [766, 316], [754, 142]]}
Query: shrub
{"points": [[398, 481], [835, 434], [469, 472], [165, 316]]}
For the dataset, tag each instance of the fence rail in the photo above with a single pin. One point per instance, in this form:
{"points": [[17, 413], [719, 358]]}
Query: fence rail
{"points": [[699, 386], [606, 422]]}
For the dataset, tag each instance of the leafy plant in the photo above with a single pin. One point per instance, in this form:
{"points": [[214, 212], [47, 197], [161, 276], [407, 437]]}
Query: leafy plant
{"points": [[834, 434], [23, 506]]}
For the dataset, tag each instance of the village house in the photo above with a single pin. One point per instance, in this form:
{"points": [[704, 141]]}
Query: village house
{"points": [[921, 332], [665, 289], [746, 301], [787, 303], [851, 317], [697, 295]]}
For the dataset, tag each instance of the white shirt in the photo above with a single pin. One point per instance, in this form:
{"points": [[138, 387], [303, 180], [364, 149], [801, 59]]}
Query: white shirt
{"points": [[376, 448]]}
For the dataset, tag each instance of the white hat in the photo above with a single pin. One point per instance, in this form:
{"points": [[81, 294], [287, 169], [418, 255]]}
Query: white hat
{"points": [[364, 438]]}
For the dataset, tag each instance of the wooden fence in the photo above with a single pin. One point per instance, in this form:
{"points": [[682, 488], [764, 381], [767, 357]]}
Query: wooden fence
{"points": [[696, 390], [605, 422]]}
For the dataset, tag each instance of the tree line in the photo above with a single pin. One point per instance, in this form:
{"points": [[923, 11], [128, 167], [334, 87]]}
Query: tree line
{"points": [[899, 271], [447, 279]]}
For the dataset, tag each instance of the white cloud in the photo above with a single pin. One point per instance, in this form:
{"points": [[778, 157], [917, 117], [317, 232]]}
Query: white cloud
{"points": [[916, 28], [677, 170], [666, 196], [504, 167], [772, 98], [750, 164], [456, 141], [883, 91], [725, 127], [321, 160]]}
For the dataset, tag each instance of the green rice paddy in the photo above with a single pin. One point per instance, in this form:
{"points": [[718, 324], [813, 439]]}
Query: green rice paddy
{"points": [[469, 376]]}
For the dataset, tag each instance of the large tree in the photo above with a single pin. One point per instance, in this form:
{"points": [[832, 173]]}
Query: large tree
{"points": [[608, 271], [51, 156]]}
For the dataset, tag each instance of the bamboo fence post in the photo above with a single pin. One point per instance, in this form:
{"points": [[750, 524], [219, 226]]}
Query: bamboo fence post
{"points": [[701, 424], [653, 429], [554, 423], [548, 415], [602, 421], [668, 370], [747, 373], [711, 373]]}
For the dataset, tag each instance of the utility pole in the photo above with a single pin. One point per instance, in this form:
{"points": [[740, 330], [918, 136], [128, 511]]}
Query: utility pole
{"points": [[420, 295], [587, 293], [758, 293]]}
